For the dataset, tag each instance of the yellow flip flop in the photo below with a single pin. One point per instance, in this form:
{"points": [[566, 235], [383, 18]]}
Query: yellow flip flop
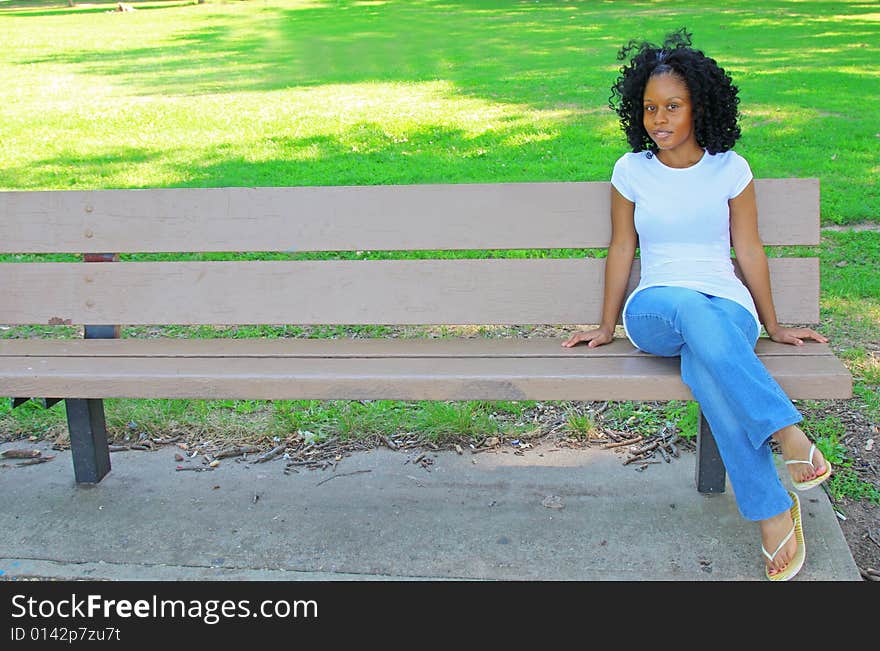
{"points": [[815, 481], [797, 530]]}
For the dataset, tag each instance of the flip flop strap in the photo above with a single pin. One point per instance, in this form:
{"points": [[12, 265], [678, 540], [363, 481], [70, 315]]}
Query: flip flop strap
{"points": [[809, 461], [784, 540]]}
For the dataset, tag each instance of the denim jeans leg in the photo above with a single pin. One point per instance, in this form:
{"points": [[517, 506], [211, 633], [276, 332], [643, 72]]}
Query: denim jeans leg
{"points": [[742, 403]]}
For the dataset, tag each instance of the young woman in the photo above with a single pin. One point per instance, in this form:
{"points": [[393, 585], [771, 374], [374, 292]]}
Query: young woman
{"points": [[683, 196]]}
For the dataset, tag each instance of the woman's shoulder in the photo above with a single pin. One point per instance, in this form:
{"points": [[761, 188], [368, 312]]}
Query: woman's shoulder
{"points": [[631, 160], [733, 170], [634, 156], [729, 158]]}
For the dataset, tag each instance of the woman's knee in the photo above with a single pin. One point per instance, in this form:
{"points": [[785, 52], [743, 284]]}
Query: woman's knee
{"points": [[653, 334], [652, 318], [740, 317]]}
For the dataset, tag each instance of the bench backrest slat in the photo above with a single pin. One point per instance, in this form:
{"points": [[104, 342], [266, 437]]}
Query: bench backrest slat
{"points": [[408, 217], [470, 216], [485, 291]]}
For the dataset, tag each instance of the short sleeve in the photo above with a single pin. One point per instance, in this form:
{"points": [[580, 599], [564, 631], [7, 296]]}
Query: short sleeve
{"points": [[620, 179], [741, 175]]}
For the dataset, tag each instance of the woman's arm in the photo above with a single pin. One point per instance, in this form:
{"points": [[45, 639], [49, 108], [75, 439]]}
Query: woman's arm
{"points": [[753, 264], [618, 266]]}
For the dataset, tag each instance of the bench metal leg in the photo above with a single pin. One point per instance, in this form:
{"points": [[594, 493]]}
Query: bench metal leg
{"points": [[710, 468], [88, 439]]}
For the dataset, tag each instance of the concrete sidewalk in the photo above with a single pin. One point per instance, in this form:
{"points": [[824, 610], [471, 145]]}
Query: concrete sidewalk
{"points": [[548, 514]]}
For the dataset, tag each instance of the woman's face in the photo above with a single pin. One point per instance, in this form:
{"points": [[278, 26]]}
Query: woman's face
{"points": [[668, 113]]}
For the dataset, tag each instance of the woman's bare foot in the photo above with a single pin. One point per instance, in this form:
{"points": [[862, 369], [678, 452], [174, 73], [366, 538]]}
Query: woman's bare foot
{"points": [[773, 531], [796, 446]]}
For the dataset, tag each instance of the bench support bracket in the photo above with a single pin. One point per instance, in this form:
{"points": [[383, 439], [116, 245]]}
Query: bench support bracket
{"points": [[710, 468], [46, 402]]}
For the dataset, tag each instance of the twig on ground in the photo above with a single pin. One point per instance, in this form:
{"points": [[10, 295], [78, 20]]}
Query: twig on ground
{"points": [[617, 444], [236, 451], [20, 454], [343, 474], [664, 453], [271, 454], [870, 574], [35, 461], [872, 538]]}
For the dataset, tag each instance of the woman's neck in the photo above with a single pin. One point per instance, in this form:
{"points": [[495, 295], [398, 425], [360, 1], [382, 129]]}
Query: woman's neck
{"points": [[681, 159]]}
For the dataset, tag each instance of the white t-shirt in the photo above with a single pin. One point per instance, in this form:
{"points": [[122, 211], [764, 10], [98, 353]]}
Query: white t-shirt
{"points": [[683, 221]]}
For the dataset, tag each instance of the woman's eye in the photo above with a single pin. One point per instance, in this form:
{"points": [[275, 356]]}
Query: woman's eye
{"points": [[672, 107]]}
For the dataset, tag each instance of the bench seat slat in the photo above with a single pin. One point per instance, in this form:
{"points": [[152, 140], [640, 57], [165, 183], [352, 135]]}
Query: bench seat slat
{"points": [[482, 291], [623, 377], [389, 217], [476, 347]]}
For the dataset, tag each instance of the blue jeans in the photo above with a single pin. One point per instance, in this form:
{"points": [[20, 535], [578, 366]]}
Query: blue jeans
{"points": [[715, 338]]}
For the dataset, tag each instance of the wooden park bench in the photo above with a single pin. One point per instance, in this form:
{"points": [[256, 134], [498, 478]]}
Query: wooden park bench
{"points": [[100, 292]]}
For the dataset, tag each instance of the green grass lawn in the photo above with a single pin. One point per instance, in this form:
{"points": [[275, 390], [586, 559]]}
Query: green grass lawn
{"points": [[335, 92], [310, 92]]}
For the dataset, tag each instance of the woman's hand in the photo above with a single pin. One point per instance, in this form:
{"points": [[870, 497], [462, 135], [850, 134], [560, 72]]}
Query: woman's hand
{"points": [[795, 336], [594, 338]]}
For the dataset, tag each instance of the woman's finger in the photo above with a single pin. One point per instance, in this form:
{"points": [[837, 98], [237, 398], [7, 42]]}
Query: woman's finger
{"points": [[816, 336], [590, 336]]}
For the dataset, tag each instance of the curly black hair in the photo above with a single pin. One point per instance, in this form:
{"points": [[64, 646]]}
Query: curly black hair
{"points": [[713, 95]]}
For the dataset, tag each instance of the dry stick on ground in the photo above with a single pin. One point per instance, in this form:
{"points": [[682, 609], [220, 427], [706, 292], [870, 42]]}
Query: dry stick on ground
{"points": [[343, 474], [664, 453], [617, 444], [20, 454], [304, 462], [870, 574], [271, 454], [418, 458], [635, 458], [236, 451], [617, 436], [871, 538], [35, 460], [647, 447]]}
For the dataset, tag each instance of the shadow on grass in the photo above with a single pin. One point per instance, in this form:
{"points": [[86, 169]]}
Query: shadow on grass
{"points": [[363, 153], [33, 8], [70, 171], [279, 48], [516, 51]]}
